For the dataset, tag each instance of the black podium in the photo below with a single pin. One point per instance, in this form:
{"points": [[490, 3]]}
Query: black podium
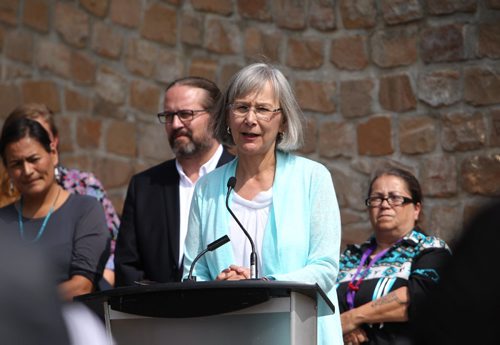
{"points": [[209, 313]]}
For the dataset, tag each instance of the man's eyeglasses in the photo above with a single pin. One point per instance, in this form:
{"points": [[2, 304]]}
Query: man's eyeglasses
{"points": [[184, 115], [393, 200], [261, 112]]}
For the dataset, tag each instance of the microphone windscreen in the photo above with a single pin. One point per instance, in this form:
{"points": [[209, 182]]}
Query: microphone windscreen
{"points": [[217, 243], [231, 183]]}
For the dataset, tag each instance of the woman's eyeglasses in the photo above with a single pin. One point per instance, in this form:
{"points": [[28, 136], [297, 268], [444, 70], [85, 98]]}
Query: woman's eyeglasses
{"points": [[261, 112], [392, 200]]}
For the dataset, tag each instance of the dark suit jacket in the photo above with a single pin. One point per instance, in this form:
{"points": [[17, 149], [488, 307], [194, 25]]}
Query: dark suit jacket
{"points": [[147, 247]]}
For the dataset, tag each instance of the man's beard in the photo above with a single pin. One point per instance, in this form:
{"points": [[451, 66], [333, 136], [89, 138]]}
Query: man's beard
{"points": [[192, 147]]}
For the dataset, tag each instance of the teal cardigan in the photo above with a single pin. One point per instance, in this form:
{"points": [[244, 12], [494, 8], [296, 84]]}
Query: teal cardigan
{"points": [[301, 240]]}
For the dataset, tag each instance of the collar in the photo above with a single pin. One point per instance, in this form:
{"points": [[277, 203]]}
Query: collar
{"points": [[210, 165]]}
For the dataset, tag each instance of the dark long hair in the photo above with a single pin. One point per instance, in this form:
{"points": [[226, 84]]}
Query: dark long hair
{"points": [[19, 128]]}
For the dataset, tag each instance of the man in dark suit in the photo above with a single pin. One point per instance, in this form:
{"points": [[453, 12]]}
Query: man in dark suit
{"points": [[154, 221]]}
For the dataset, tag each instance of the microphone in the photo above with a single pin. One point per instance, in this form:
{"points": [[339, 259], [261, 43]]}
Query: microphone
{"points": [[231, 183], [210, 248]]}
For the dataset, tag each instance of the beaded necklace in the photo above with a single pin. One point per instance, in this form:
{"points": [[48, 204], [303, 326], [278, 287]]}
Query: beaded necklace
{"points": [[45, 220], [354, 284]]}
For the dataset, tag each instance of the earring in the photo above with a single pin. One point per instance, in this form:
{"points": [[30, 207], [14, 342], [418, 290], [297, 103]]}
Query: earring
{"points": [[228, 130], [11, 187], [57, 174]]}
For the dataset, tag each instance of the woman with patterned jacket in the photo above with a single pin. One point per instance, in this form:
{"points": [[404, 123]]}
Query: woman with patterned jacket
{"points": [[382, 282]]}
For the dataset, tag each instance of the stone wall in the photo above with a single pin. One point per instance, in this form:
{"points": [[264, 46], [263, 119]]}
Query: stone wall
{"points": [[412, 83]]}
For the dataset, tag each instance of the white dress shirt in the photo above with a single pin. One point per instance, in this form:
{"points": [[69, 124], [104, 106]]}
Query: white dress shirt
{"points": [[186, 189]]}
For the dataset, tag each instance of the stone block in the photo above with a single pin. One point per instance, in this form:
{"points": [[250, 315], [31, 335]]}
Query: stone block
{"points": [[159, 24], [355, 234], [72, 24], [450, 6], [417, 135], [322, 15], [394, 47], [349, 52], [106, 41], [14, 71], [141, 57], [77, 101], [482, 85], [126, 12], [315, 95], [337, 139], [8, 11], [83, 68], [396, 93], [19, 46], [80, 162], [348, 216], [480, 174], [105, 108], [145, 96], [222, 37], [153, 143], [98, 8], [493, 4], [289, 14], [401, 11], [2, 38], [226, 73], [256, 9], [356, 98], [224, 7], [36, 14], [41, 91], [113, 173], [438, 176], [169, 66], [358, 14], [10, 98], [88, 132], [445, 221], [462, 131], [55, 57], [260, 44], [65, 127], [489, 40], [121, 138], [205, 68], [495, 128], [111, 85], [310, 136], [375, 137], [192, 29], [443, 43], [350, 189], [440, 87], [305, 53]]}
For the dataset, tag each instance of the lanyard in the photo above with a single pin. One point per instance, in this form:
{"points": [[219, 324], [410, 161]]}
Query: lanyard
{"points": [[353, 285]]}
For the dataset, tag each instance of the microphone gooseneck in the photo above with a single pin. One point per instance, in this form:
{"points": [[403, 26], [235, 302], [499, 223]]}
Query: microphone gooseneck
{"points": [[211, 247], [231, 183]]}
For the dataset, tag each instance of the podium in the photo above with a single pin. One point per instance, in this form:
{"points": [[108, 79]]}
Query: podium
{"points": [[217, 312]]}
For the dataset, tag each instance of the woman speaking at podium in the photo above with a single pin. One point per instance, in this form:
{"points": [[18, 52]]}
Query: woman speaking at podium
{"points": [[282, 218]]}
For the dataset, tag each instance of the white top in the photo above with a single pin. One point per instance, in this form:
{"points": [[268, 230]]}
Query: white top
{"points": [[253, 215], [186, 189]]}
